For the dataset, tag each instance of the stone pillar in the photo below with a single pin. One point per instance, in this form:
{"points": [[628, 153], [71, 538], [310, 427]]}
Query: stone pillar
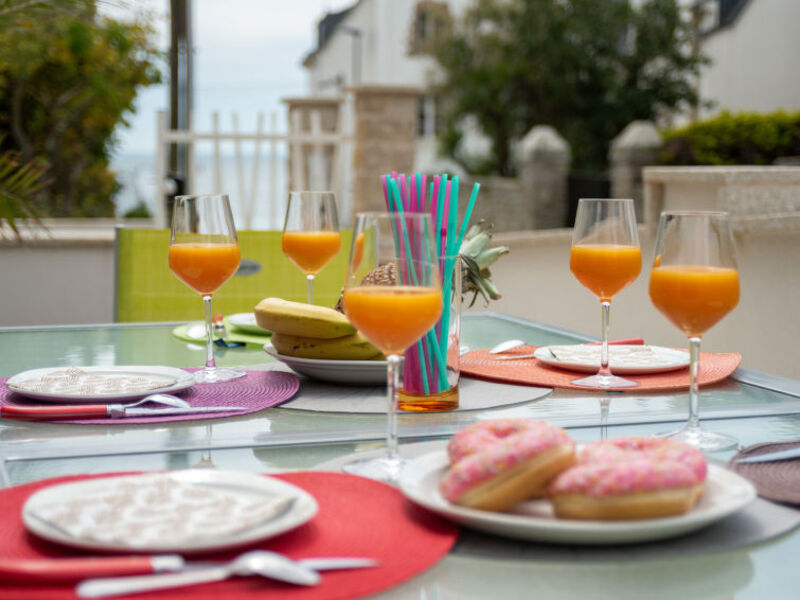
{"points": [[544, 158], [384, 139], [310, 164], [636, 147]]}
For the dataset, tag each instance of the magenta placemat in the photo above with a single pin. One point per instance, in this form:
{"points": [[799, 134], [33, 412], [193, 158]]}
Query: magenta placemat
{"points": [[256, 391]]}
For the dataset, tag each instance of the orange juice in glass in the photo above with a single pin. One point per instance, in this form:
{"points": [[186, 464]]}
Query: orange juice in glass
{"points": [[204, 267], [393, 317], [204, 254], [694, 297], [311, 233], [394, 311], [694, 282], [605, 269], [605, 258]]}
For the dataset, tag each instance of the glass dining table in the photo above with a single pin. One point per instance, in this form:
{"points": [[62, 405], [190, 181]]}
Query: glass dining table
{"points": [[751, 406]]}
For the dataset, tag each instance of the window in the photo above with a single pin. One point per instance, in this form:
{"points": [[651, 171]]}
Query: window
{"points": [[431, 19]]}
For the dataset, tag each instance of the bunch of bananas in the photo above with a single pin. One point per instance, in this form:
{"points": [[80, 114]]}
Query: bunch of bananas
{"points": [[309, 331]]}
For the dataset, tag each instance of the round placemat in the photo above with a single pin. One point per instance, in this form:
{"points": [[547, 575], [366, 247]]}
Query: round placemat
{"points": [[714, 367], [474, 394], [255, 391], [779, 480], [357, 517], [233, 335]]}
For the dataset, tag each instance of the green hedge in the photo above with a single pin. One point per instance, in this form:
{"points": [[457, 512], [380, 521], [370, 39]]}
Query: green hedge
{"points": [[734, 139]]}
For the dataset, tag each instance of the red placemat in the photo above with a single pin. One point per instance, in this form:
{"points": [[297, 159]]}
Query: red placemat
{"points": [[357, 517], [256, 391], [714, 367]]}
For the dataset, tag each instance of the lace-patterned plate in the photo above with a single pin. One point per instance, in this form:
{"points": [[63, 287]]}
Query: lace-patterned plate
{"points": [[98, 385], [191, 511], [623, 359]]}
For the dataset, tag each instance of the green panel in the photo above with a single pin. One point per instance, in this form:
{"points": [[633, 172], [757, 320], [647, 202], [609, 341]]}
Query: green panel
{"points": [[148, 291]]}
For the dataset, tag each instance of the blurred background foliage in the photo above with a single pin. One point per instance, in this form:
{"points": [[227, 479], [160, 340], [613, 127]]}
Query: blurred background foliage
{"points": [[68, 78], [585, 67], [734, 139]]}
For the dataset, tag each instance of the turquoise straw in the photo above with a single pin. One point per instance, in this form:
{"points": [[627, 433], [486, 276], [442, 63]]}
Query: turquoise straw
{"points": [[467, 215]]}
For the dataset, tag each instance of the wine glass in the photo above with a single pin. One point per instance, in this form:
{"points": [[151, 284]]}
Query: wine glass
{"points": [[605, 258], [311, 233], [204, 253], [694, 283], [394, 306]]}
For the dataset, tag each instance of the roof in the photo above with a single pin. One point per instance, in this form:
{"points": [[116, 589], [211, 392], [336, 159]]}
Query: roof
{"points": [[325, 30]]}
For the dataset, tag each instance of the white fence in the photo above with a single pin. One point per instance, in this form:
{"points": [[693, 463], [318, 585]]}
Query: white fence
{"points": [[317, 160]]}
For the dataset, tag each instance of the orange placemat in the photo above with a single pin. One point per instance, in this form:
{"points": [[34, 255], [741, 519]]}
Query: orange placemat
{"points": [[714, 367]]}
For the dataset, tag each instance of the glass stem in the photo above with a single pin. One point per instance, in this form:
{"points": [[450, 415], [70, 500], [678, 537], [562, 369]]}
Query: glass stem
{"points": [[210, 364], [392, 383], [694, 391], [604, 406], [310, 282], [606, 310]]}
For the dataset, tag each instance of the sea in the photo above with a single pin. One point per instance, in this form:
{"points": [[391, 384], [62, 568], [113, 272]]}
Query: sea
{"points": [[136, 173]]}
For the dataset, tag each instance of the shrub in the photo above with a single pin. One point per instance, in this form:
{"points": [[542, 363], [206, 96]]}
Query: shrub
{"points": [[734, 139]]}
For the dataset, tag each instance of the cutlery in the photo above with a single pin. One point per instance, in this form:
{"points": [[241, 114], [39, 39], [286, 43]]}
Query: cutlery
{"points": [[511, 344], [771, 456], [114, 411], [257, 562], [72, 569]]}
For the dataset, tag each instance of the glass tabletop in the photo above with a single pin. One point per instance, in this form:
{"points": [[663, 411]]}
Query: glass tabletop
{"points": [[746, 394], [754, 407]]}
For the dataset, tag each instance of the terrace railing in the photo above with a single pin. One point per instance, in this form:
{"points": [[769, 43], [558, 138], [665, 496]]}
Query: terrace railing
{"points": [[311, 159]]}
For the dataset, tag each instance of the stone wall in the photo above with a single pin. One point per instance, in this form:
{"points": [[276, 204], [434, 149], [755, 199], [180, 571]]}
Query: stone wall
{"points": [[385, 140]]}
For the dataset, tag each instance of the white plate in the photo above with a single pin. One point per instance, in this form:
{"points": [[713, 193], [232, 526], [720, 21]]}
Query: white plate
{"points": [[623, 359], [246, 322], [352, 372], [174, 379], [247, 484], [725, 493]]}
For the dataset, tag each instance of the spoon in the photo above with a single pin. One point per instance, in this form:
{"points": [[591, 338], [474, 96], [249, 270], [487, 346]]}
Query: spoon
{"points": [[257, 562], [506, 346], [164, 399]]}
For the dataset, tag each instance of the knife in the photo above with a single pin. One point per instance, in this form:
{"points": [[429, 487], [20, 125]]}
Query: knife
{"points": [[100, 411], [72, 569], [771, 456]]}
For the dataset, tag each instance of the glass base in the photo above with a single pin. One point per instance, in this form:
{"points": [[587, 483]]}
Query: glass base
{"points": [[701, 439], [382, 468], [217, 375], [604, 381]]}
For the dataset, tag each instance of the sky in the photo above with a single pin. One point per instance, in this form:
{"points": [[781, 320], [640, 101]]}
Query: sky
{"points": [[247, 57]]}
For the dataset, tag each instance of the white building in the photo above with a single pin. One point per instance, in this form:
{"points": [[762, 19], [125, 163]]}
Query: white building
{"points": [[754, 49], [752, 44], [383, 42]]}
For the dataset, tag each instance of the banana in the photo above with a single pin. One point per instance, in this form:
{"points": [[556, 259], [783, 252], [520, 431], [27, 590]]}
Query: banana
{"points": [[305, 320], [348, 347]]}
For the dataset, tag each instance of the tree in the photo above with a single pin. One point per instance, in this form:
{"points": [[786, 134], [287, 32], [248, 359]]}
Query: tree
{"points": [[66, 81], [587, 68]]}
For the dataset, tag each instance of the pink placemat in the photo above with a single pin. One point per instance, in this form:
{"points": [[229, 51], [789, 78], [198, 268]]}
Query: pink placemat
{"points": [[256, 391]]}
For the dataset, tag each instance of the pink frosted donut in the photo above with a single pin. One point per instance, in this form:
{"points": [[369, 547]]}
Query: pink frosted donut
{"points": [[630, 478], [659, 449], [496, 464]]}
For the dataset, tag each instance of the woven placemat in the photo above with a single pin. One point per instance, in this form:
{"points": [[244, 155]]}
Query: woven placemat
{"points": [[357, 517], [779, 480], [714, 367], [255, 391], [474, 394]]}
